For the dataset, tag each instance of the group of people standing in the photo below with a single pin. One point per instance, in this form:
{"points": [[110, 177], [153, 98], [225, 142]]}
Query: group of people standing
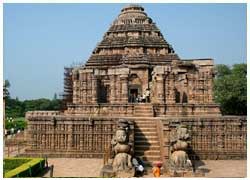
{"points": [[138, 98]]}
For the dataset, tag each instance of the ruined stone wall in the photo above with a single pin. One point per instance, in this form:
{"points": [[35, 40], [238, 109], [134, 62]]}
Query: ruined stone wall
{"points": [[211, 137]]}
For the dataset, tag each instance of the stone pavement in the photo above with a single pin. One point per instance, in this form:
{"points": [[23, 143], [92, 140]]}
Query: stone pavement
{"points": [[73, 167]]}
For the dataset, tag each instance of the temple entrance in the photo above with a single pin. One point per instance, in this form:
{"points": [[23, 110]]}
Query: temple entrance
{"points": [[103, 92], [134, 92]]}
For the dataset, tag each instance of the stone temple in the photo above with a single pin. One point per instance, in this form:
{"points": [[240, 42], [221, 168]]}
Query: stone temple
{"points": [[135, 74]]}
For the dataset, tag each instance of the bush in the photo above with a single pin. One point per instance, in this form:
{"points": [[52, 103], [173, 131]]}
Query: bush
{"points": [[10, 163], [29, 167]]}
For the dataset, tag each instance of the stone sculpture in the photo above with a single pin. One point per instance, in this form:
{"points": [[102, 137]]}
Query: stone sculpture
{"points": [[179, 143], [122, 149]]}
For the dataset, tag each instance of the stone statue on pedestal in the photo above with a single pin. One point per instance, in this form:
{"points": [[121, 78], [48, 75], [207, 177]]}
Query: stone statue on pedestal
{"points": [[122, 151], [179, 160]]}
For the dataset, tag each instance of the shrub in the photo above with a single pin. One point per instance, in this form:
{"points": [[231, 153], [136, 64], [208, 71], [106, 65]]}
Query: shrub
{"points": [[29, 169], [11, 163]]}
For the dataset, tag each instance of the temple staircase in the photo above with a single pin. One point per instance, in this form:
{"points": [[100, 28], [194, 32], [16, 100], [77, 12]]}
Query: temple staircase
{"points": [[147, 145], [144, 110]]}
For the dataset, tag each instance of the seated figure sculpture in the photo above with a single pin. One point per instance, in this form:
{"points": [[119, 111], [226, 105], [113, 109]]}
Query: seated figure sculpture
{"points": [[122, 149], [179, 158]]}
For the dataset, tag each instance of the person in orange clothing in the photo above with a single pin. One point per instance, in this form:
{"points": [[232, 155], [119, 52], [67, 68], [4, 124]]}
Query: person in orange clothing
{"points": [[156, 169]]}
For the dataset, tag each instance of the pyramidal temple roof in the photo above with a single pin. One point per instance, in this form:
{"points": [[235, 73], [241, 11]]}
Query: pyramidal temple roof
{"points": [[132, 39]]}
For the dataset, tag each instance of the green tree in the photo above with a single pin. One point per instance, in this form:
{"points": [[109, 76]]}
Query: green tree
{"points": [[230, 89], [6, 87], [55, 97]]}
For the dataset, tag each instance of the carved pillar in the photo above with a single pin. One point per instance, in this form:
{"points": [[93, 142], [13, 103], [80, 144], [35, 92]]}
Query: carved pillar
{"points": [[124, 93], [81, 137], [171, 93], [70, 136], [112, 89], [210, 88], [191, 93], [160, 90], [94, 89], [84, 88], [53, 138]]}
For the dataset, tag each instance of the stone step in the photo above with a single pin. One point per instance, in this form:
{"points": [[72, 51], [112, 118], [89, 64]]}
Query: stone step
{"points": [[145, 122], [147, 153], [143, 109], [145, 125], [143, 114], [144, 147], [148, 138], [143, 105], [139, 133], [152, 135], [146, 142], [146, 129], [152, 126], [151, 158]]}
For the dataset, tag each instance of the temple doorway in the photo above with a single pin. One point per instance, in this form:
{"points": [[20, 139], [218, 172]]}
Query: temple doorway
{"points": [[134, 92]]}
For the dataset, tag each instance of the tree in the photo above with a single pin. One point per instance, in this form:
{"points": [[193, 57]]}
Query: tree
{"points": [[230, 89], [55, 97], [6, 86]]}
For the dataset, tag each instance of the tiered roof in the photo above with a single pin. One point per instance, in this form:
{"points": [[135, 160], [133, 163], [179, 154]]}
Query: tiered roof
{"points": [[132, 29]]}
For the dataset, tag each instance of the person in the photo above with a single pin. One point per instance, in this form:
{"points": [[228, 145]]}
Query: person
{"points": [[157, 169], [139, 169], [147, 94], [144, 98], [138, 98]]}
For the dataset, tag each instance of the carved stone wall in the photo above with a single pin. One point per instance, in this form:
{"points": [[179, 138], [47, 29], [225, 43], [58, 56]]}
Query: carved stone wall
{"points": [[211, 137], [57, 135]]}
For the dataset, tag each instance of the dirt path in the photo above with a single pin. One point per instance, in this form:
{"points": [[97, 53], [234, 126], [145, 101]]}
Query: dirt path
{"points": [[71, 167]]}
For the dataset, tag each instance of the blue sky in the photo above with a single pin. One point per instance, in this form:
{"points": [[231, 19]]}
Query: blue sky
{"points": [[40, 39]]}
